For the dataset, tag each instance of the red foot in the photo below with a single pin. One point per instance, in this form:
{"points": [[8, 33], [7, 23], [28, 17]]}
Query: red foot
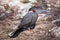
{"points": [[30, 30]]}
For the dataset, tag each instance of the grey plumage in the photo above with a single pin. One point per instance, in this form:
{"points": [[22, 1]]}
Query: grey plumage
{"points": [[28, 21]]}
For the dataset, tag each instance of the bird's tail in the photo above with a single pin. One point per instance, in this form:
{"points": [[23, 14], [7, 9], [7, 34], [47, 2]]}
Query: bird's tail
{"points": [[16, 33]]}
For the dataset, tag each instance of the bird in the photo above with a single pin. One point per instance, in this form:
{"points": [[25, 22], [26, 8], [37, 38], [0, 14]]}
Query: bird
{"points": [[27, 22]]}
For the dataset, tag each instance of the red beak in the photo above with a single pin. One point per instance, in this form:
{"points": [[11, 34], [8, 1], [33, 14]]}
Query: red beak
{"points": [[33, 10]]}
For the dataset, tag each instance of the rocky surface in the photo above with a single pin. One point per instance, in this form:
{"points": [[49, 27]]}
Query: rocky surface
{"points": [[39, 33], [44, 30]]}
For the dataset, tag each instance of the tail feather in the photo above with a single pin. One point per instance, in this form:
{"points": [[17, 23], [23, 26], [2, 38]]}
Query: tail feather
{"points": [[16, 33]]}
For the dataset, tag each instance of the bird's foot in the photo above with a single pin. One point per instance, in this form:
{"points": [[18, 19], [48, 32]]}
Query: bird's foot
{"points": [[30, 30]]}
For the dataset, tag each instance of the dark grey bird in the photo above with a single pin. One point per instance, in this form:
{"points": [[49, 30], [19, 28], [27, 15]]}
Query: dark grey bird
{"points": [[28, 21]]}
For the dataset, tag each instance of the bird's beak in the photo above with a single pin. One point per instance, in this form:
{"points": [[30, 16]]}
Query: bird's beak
{"points": [[30, 30], [33, 10]]}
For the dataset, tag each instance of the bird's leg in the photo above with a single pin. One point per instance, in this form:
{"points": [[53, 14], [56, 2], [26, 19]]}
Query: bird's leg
{"points": [[30, 30]]}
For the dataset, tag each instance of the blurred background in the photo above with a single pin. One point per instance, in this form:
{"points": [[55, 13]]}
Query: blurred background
{"points": [[47, 25]]}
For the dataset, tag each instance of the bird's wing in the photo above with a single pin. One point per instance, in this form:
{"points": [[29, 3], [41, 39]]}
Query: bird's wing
{"points": [[26, 19], [34, 19]]}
